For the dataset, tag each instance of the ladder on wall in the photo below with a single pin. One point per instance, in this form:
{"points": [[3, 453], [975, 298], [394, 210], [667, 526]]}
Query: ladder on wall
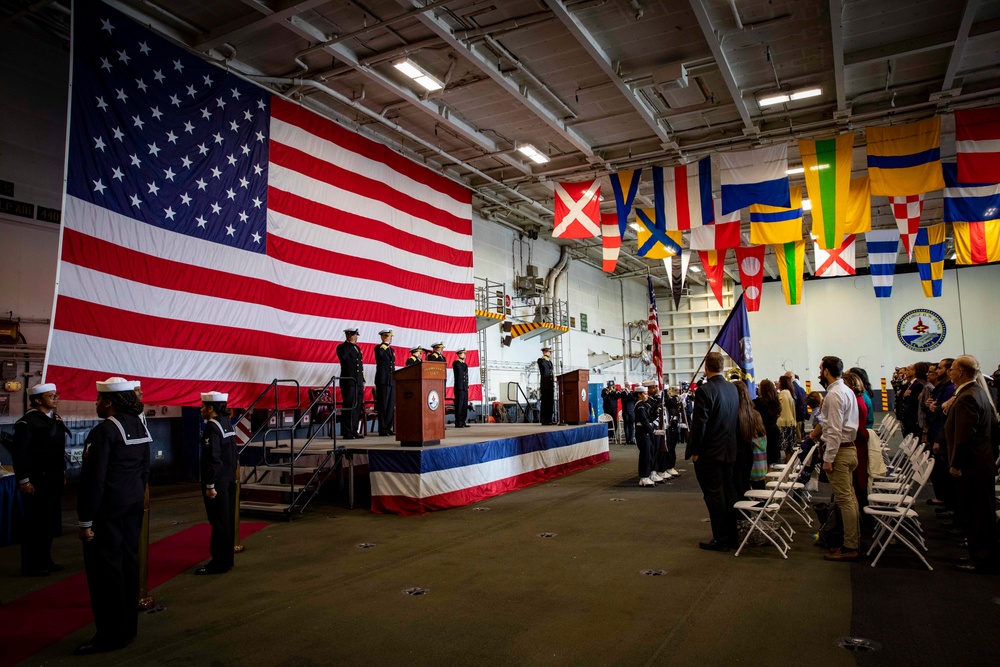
{"points": [[491, 309]]}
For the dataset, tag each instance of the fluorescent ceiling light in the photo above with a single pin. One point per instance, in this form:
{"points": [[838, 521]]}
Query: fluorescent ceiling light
{"points": [[418, 74], [806, 205], [805, 94], [773, 99], [532, 153], [695, 269], [635, 226], [796, 170]]}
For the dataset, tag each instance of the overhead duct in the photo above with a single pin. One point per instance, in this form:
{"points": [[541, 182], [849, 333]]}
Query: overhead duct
{"points": [[555, 273]]}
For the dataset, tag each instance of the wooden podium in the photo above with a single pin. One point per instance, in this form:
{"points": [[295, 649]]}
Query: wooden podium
{"points": [[420, 404], [573, 404]]}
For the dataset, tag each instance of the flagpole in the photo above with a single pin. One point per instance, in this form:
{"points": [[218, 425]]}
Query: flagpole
{"points": [[662, 444], [714, 342]]}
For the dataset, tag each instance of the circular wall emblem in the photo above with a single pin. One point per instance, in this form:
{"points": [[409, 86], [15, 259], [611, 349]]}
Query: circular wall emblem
{"points": [[583, 394], [433, 400], [921, 330]]}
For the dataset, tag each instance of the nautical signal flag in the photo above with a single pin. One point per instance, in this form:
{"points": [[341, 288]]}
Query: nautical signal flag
{"points": [[859, 207], [758, 176], [974, 211], [791, 260], [713, 263], [654, 241], [723, 234], [611, 242], [827, 164], [929, 252], [578, 210], [905, 159], [625, 185], [772, 225], [907, 211], [839, 262], [977, 145], [677, 268], [751, 265], [684, 193], [883, 247]]}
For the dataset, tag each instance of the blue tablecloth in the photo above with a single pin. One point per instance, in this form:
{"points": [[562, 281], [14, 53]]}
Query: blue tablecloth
{"points": [[11, 511]]}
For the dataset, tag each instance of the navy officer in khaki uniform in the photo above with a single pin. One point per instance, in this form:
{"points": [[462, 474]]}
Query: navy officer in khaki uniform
{"points": [[385, 383], [352, 385]]}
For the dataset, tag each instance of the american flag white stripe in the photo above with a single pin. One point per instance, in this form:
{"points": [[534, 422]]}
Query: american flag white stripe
{"points": [[216, 235]]}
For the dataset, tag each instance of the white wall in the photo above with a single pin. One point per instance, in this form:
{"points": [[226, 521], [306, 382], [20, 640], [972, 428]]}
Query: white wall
{"points": [[842, 317]]}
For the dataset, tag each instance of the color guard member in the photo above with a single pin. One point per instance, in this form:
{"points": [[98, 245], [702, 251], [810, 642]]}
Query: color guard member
{"points": [[352, 385], [385, 384], [113, 477], [218, 480], [461, 390], [39, 453]]}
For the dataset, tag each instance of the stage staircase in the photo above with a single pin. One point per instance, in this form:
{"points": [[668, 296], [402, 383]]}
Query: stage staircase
{"points": [[287, 475]]}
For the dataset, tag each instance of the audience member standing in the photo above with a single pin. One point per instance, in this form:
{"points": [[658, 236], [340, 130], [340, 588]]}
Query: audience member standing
{"points": [[972, 463], [751, 429], [769, 408], [787, 431], [840, 458], [940, 478], [869, 396], [911, 399], [801, 410], [39, 452], [113, 476], [712, 448], [854, 383]]}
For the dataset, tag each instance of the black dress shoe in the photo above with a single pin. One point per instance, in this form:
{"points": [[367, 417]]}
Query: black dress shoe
{"points": [[714, 545], [390, 432]]}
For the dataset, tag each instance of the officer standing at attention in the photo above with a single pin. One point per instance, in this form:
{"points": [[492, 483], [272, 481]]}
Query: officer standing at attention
{"points": [[385, 384], [629, 399], [218, 480], [460, 370], [435, 354], [547, 388], [414, 357], [352, 385], [39, 453], [113, 477]]}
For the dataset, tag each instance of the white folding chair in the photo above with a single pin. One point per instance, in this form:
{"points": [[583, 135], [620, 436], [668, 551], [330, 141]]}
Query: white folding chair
{"points": [[612, 431], [797, 496], [889, 422], [762, 512], [902, 454], [900, 521]]}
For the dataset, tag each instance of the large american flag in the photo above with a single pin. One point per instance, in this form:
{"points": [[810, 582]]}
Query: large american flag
{"points": [[654, 328], [218, 237]]}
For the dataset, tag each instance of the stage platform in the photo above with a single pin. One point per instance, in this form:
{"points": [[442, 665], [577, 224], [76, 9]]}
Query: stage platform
{"points": [[469, 465]]}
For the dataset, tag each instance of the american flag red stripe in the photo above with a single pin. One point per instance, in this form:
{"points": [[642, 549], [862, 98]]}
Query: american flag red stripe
{"points": [[654, 328], [230, 237]]}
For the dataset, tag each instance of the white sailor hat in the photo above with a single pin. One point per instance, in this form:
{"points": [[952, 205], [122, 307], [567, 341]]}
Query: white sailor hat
{"points": [[136, 384], [41, 389], [416, 349], [642, 390], [214, 397], [351, 331], [546, 349], [115, 384], [649, 383], [462, 351], [385, 332], [437, 345]]}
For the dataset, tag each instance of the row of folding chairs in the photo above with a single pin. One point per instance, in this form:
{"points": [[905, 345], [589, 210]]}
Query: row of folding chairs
{"points": [[891, 505], [762, 507], [887, 428]]}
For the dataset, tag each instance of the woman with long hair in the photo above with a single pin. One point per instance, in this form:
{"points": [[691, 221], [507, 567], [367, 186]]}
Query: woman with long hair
{"points": [[787, 431], [751, 447], [854, 383], [868, 396], [769, 407]]}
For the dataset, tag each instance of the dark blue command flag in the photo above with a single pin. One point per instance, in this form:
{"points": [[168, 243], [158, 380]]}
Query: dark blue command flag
{"points": [[734, 338]]}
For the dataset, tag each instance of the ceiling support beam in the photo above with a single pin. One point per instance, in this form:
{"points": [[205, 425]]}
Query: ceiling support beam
{"points": [[484, 59], [597, 53], [941, 40], [251, 23], [968, 16], [837, 35], [724, 68]]}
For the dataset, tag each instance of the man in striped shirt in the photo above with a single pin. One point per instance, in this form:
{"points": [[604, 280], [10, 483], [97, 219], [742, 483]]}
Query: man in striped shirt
{"points": [[840, 427]]}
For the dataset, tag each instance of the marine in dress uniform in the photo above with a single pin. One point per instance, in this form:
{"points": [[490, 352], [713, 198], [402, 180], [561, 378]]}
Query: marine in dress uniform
{"points": [[460, 370], [113, 478], [218, 480], [435, 354], [352, 385], [39, 453], [547, 388], [385, 384], [414, 357]]}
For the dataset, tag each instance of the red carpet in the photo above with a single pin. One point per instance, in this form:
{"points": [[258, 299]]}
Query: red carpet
{"points": [[30, 623]]}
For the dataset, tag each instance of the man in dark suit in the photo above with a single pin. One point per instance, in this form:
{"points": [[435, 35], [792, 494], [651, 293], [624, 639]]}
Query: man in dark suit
{"points": [[911, 399], [547, 388], [712, 448], [972, 463], [460, 371], [385, 383], [352, 385]]}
